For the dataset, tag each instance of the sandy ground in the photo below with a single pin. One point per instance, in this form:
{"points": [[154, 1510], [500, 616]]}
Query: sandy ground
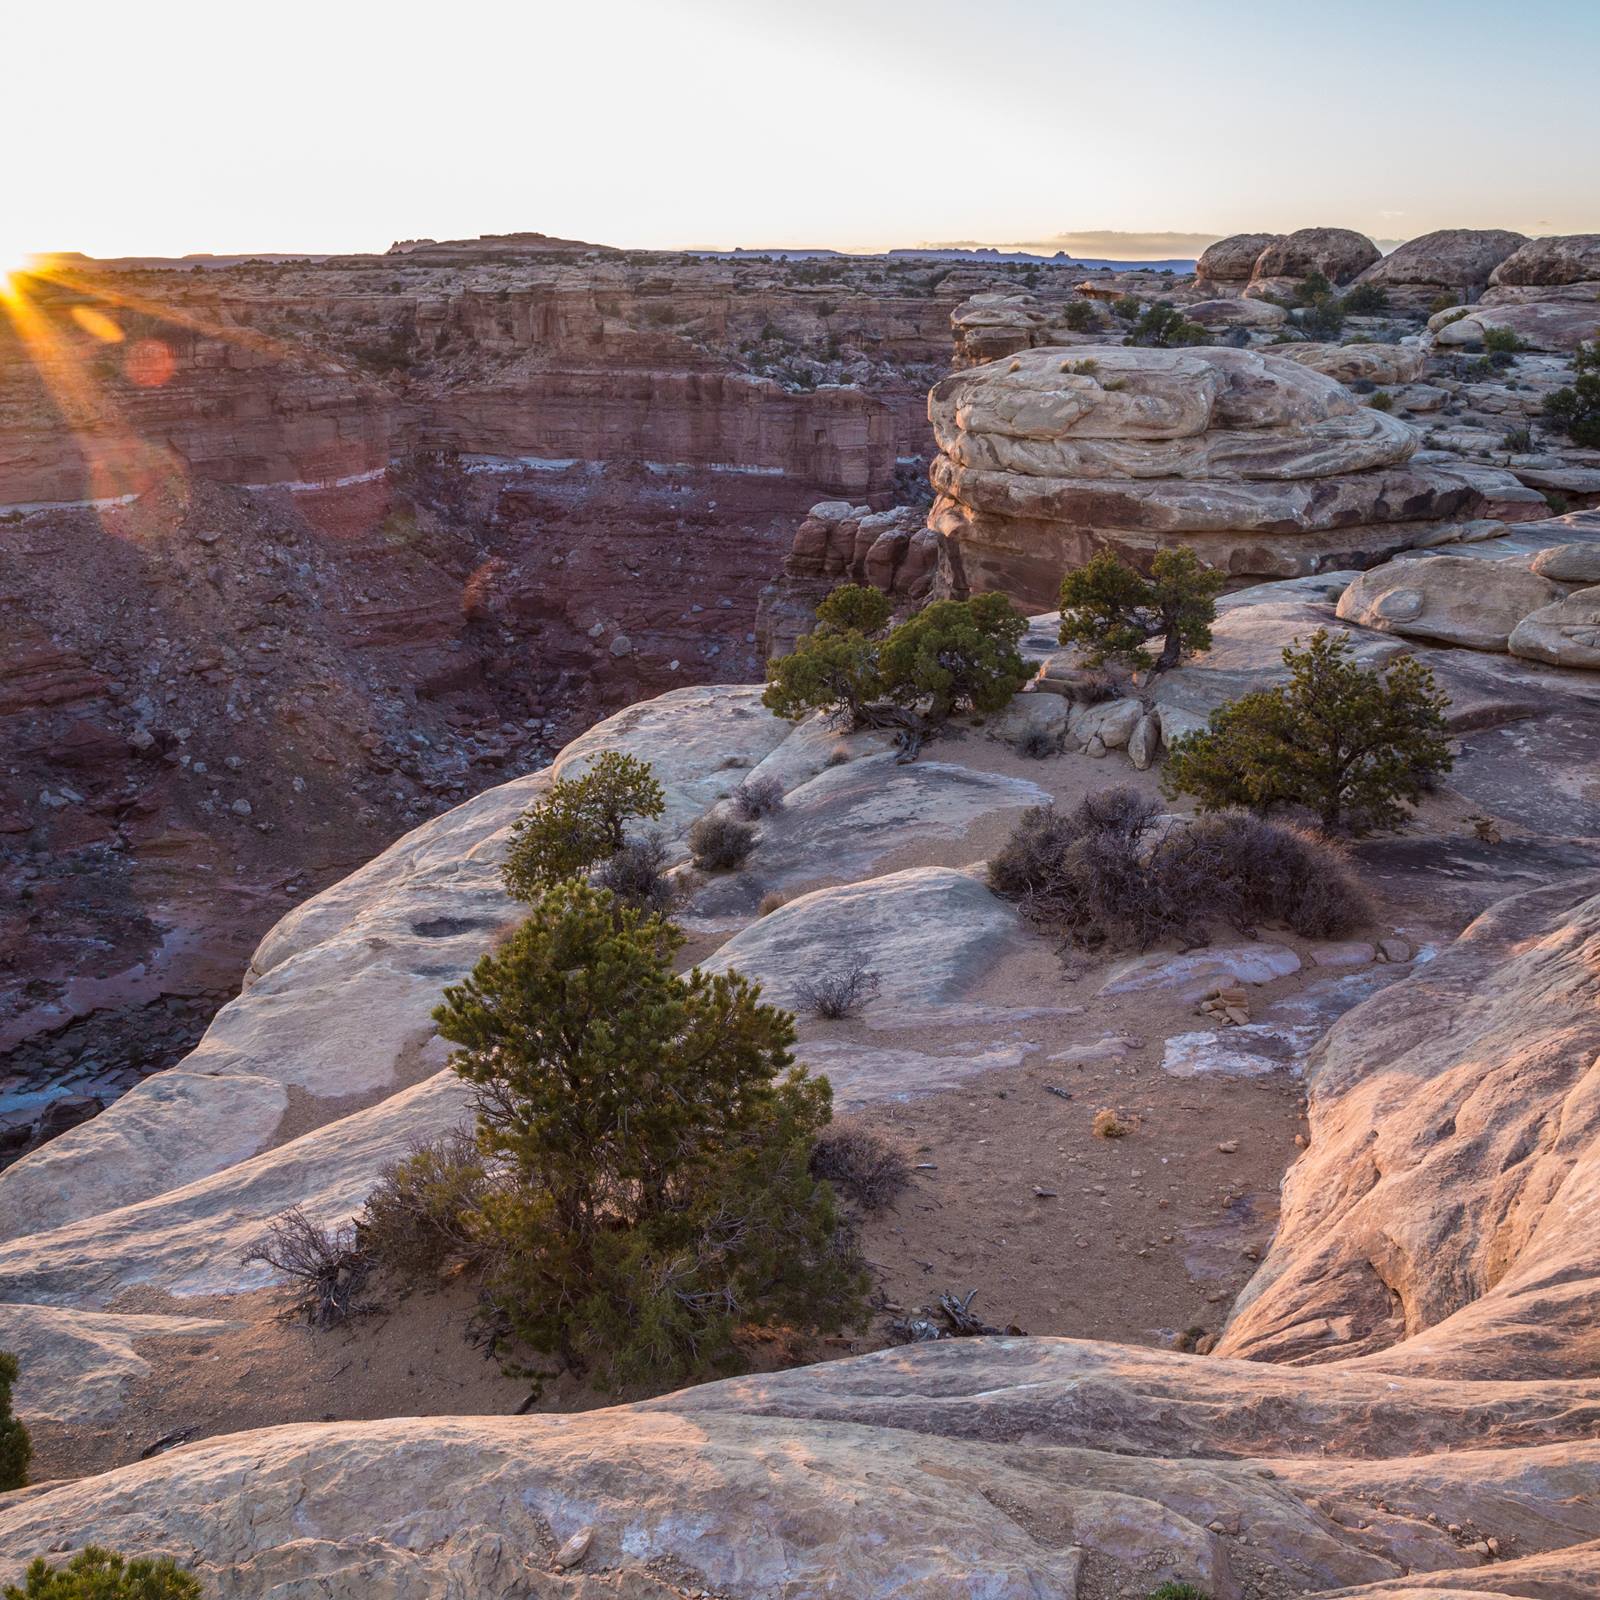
{"points": [[1144, 1239]]}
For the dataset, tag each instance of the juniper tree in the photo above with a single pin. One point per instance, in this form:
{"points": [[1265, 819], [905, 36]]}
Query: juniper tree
{"points": [[1354, 745], [1111, 610], [655, 1137], [579, 823]]}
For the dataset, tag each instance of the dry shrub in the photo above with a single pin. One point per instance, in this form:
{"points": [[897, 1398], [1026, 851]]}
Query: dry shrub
{"points": [[328, 1264], [770, 902], [1268, 872], [419, 1219], [861, 1164], [720, 843], [757, 797], [1109, 873], [635, 876], [1108, 1125], [839, 994]]}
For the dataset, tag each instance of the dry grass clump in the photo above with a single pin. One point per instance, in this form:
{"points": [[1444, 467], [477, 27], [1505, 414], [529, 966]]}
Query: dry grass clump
{"points": [[720, 843], [1108, 1125], [418, 1219], [1113, 871], [757, 797], [836, 995], [861, 1164], [328, 1265], [770, 902], [635, 876]]}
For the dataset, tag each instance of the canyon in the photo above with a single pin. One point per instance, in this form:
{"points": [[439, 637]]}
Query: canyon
{"points": [[296, 554], [316, 574]]}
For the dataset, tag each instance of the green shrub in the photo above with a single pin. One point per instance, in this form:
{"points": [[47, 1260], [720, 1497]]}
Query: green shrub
{"points": [[579, 823], [855, 607], [98, 1574], [1382, 401], [1178, 1591], [1312, 289], [1127, 308], [1351, 744], [1519, 441], [1163, 327], [422, 1215], [1079, 316], [1365, 300], [16, 1448], [957, 652], [1111, 610], [832, 672], [1503, 341], [1443, 302], [655, 1141], [1575, 410]]}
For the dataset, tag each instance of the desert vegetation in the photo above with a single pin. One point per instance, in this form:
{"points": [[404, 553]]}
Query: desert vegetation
{"points": [[95, 1573], [1112, 611], [1354, 746], [951, 655], [653, 1139], [579, 823], [16, 1448], [1115, 872], [1575, 409]]}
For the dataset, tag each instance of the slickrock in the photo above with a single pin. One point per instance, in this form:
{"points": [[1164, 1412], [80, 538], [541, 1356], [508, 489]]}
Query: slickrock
{"points": [[1565, 634], [1556, 259], [1450, 598], [1262, 464]]}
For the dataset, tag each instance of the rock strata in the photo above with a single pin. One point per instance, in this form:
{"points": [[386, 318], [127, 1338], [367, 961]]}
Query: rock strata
{"points": [[1262, 464]]}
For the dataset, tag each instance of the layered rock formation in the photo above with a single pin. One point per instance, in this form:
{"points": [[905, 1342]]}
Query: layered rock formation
{"points": [[1339, 254], [1227, 266], [1261, 464], [837, 543]]}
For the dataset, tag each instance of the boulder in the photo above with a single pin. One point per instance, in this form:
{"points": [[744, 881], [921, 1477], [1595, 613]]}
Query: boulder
{"points": [[927, 932], [1556, 325], [1454, 599], [1561, 258], [1237, 314], [1568, 563], [1262, 464], [1339, 254], [1460, 260], [1357, 363], [1229, 262], [1565, 634]]}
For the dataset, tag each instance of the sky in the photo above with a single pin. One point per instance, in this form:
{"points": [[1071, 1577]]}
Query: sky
{"points": [[169, 126]]}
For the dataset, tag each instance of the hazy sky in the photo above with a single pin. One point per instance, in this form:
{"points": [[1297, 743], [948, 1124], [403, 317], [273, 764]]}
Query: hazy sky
{"points": [[162, 126]]}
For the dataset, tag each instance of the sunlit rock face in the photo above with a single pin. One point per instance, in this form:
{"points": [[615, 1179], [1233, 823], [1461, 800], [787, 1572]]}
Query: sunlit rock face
{"points": [[1263, 465]]}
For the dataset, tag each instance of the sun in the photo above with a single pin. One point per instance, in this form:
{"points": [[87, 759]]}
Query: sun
{"points": [[15, 259]]}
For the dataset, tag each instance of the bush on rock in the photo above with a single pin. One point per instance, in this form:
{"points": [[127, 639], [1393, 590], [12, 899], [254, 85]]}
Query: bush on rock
{"points": [[16, 1448], [655, 1139], [1575, 410], [579, 823], [1355, 746], [955, 653], [1114, 871], [99, 1574], [1112, 610]]}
